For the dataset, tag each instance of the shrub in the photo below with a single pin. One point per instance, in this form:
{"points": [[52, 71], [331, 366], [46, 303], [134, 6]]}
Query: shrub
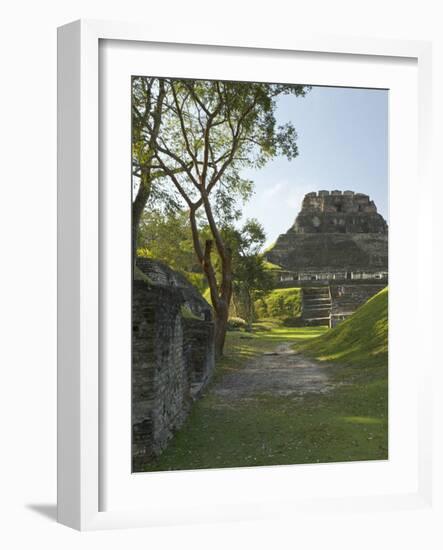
{"points": [[280, 303]]}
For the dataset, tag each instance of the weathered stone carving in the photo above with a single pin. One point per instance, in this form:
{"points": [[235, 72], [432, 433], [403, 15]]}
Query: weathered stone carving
{"points": [[336, 236]]}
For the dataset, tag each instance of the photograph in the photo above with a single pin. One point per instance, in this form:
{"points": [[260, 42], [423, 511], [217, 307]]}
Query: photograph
{"points": [[229, 337], [260, 216]]}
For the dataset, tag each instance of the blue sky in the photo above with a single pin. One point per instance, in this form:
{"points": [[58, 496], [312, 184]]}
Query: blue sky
{"points": [[343, 144]]}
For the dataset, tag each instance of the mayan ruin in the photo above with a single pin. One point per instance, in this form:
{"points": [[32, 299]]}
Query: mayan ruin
{"points": [[337, 250]]}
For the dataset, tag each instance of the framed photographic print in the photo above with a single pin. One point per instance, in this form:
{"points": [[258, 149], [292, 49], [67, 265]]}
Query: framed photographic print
{"points": [[230, 215]]}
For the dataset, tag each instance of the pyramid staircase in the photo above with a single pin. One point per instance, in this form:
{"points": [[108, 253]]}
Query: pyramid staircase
{"points": [[316, 306]]}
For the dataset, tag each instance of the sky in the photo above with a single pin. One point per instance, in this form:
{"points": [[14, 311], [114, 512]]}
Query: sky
{"points": [[343, 144]]}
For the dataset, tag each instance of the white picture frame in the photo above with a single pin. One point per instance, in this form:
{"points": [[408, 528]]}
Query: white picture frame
{"points": [[79, 256]]}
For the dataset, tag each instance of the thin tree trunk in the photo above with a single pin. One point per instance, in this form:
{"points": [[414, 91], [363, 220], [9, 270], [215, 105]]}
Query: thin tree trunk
{"points": [[138, 206], [221, 325], [225, 301], [249, 309], [144, 190], [220, 298]]}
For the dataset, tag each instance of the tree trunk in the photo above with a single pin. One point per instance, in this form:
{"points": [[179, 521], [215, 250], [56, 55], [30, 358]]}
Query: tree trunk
{"points": [[144, 190], [138, 206], [220, 297], [221, 325], [249, 309]]}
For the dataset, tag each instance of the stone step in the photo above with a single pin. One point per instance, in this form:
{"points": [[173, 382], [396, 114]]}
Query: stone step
{"points": [[316, 313], [322, 290], [319, 292], [316, 306], [317, 322], [321, 315]]}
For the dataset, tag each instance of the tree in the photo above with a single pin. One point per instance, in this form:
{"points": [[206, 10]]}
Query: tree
{"points": [[166, 235], [210, 130], [148, 96], [251, 279]]}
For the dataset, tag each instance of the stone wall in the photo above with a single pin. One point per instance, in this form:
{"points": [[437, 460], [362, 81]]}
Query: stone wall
{"points": [[162, 274], [199, 353], [333, 253], [172, 361]]}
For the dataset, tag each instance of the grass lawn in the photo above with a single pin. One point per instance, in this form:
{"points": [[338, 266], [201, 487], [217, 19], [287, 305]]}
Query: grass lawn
{"points": [[348, 423]]}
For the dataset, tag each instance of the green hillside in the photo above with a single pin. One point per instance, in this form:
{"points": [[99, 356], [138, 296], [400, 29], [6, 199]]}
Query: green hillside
{"points": [[361, 340]]}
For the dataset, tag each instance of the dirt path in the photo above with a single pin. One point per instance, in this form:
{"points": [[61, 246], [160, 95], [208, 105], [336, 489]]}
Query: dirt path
{"points": [[282, 372]]}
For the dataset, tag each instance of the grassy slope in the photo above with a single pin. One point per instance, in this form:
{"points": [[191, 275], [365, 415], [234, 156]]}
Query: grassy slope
{"points": [[360, 340]]}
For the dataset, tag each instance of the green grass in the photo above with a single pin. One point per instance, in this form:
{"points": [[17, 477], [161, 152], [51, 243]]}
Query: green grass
{"points": [[360, 340], [273, 431], [346, 424], [280, 303]]}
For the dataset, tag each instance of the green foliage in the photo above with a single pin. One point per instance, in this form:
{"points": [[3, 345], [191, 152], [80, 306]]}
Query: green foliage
{"points": [[186, 129], [361, 340], [250, 277], [148, 179], [280, 303], [199, 135], [166, 236]]}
